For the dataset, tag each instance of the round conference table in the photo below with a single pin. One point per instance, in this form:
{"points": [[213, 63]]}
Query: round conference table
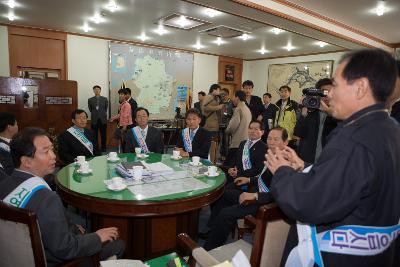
{"points": [[148, 226]]}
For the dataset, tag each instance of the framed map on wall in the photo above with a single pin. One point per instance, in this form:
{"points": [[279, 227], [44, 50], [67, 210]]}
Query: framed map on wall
{"points": [[298, 75], [157, 78]]}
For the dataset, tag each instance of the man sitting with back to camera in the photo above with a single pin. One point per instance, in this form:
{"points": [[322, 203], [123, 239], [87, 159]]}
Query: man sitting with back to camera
{"points": [[148, 138], [8, 128], [77, 140], [33, 156], [250, 155], [235, 204], [194, 140]]}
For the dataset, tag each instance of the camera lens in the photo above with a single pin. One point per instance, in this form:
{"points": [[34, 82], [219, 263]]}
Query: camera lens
{"points": [[313, 102]]}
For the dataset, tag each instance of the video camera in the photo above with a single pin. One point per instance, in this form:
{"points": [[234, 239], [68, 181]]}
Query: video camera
{"points": [[313, 97]]}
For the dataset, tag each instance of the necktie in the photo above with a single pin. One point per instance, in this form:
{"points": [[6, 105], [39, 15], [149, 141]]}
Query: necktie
{"points": [[249, 144], [143, 133], [191, 135]]}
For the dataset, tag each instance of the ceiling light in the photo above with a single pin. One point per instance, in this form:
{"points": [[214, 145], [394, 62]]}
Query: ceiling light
{"points": [[86, 27], [11, 16], [211, 12], [10, 3], [289, 47], [305, 67], [112, 6], [321, 44], [219, 41], [244, 36], [277, 31], [160, 30], [198, 45], [262, 51], [381, 8], [97, 19], [183, 22], [143, 37]]}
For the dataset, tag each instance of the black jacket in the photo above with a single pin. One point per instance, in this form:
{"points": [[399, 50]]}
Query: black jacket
{"points": [[257, 157], [6, 158], [154, 141], [200, 145], [134, 106], [69, 147], [256, 106], [307, 129], [269, 113]]}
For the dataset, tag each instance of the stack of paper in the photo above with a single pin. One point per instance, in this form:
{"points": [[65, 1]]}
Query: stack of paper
{"points": [[158, 168]]}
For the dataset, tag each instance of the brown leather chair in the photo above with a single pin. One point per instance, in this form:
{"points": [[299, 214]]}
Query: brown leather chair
{"points": [[269, 238], [213, 154], [21, 242]]}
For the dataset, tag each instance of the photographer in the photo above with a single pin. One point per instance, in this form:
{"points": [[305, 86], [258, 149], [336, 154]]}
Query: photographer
{"points": [[314, 124], [209, 107]]}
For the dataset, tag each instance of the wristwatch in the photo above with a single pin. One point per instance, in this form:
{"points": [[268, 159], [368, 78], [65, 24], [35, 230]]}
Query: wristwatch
{"points": [[256, 196]]}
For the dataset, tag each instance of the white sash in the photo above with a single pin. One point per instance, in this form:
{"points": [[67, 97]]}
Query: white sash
{"points": [[81, 138], [246, 156], [140, 139], [187, 141], [21, 195]]}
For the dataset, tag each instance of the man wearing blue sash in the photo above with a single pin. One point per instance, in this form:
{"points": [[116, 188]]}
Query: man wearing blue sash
{"points": [[194, 140], [249, 160], [77, 140], [234, 203], [148, 138], [347, 205], [33, 156]]}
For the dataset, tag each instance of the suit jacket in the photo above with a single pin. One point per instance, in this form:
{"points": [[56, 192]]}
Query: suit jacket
{"points": [[134, 106], [256, 106], [264, 197], [269, 113], [257, 157], [395, 113], [197, 106], [200, 145], [239, 124], [100, 113], [154, 141], [6, 158], [61, 239], [210, 111], [69, 147]]}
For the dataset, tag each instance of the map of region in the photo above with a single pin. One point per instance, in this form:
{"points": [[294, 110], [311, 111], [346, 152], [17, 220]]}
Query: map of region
{"points": [[155, 76], [298, 76]]}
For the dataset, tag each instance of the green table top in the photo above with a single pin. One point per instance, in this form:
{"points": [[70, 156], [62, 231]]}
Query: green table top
{"points": [[163, 260], [93, 184]]}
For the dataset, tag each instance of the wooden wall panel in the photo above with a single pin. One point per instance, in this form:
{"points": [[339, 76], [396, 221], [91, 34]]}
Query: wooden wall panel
{"points": [[238, 68], [37, 49], [45, 116]]}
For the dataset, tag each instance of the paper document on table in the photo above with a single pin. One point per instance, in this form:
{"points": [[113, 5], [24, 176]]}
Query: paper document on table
{"points": [[158, 168], [122, 263], [177, 175], [240, 260], [150, 190]]}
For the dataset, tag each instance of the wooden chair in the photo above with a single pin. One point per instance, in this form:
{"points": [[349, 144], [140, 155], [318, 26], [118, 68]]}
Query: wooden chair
{"points": [[270, 233], [213, 154], [21, 241]]}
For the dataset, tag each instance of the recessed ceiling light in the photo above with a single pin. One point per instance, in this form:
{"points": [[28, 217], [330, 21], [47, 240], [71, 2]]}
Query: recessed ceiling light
{"points": [[219, 41], [11, 16], [143, 37], [211, 12], [380, 8], [10, 3], [86, 27], [181, 22], [277, 31], [321, 44], [97, 19], [289, 47], [262, 51], [305, 67], [245, 37], [112, 6], [198, 45], [160, 30]]}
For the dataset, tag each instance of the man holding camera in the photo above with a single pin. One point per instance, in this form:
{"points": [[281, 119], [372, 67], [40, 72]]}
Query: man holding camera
{"points": [[315, 123]]}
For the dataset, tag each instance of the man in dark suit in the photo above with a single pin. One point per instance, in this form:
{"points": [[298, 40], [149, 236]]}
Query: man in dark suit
{"points": [[8, 128], [200, 96], [250, 155], [147, 137], [133, 104], [253, 102], [33, 156], [98, 106], [235, 204], [268, 114], [76, 140], [194, 140]]}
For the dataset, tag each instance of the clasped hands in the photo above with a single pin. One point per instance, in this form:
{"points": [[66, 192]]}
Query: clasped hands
{"points": [[276, 158]]}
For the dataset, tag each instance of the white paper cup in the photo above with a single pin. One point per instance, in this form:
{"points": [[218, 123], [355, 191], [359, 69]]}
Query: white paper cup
{"points": [[175, 153], [137, 172], [212, 170], [117, 181], [80, 159], [196, 160], [113, 155], [84, 166], [138, 150]]}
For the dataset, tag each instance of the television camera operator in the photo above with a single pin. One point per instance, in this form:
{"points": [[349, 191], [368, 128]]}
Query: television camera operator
{"points": [[315, 122]]}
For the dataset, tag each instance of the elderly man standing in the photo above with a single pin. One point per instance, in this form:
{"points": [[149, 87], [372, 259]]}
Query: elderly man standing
{"points": [[33, 155], [347, 203], [237, 127]]}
